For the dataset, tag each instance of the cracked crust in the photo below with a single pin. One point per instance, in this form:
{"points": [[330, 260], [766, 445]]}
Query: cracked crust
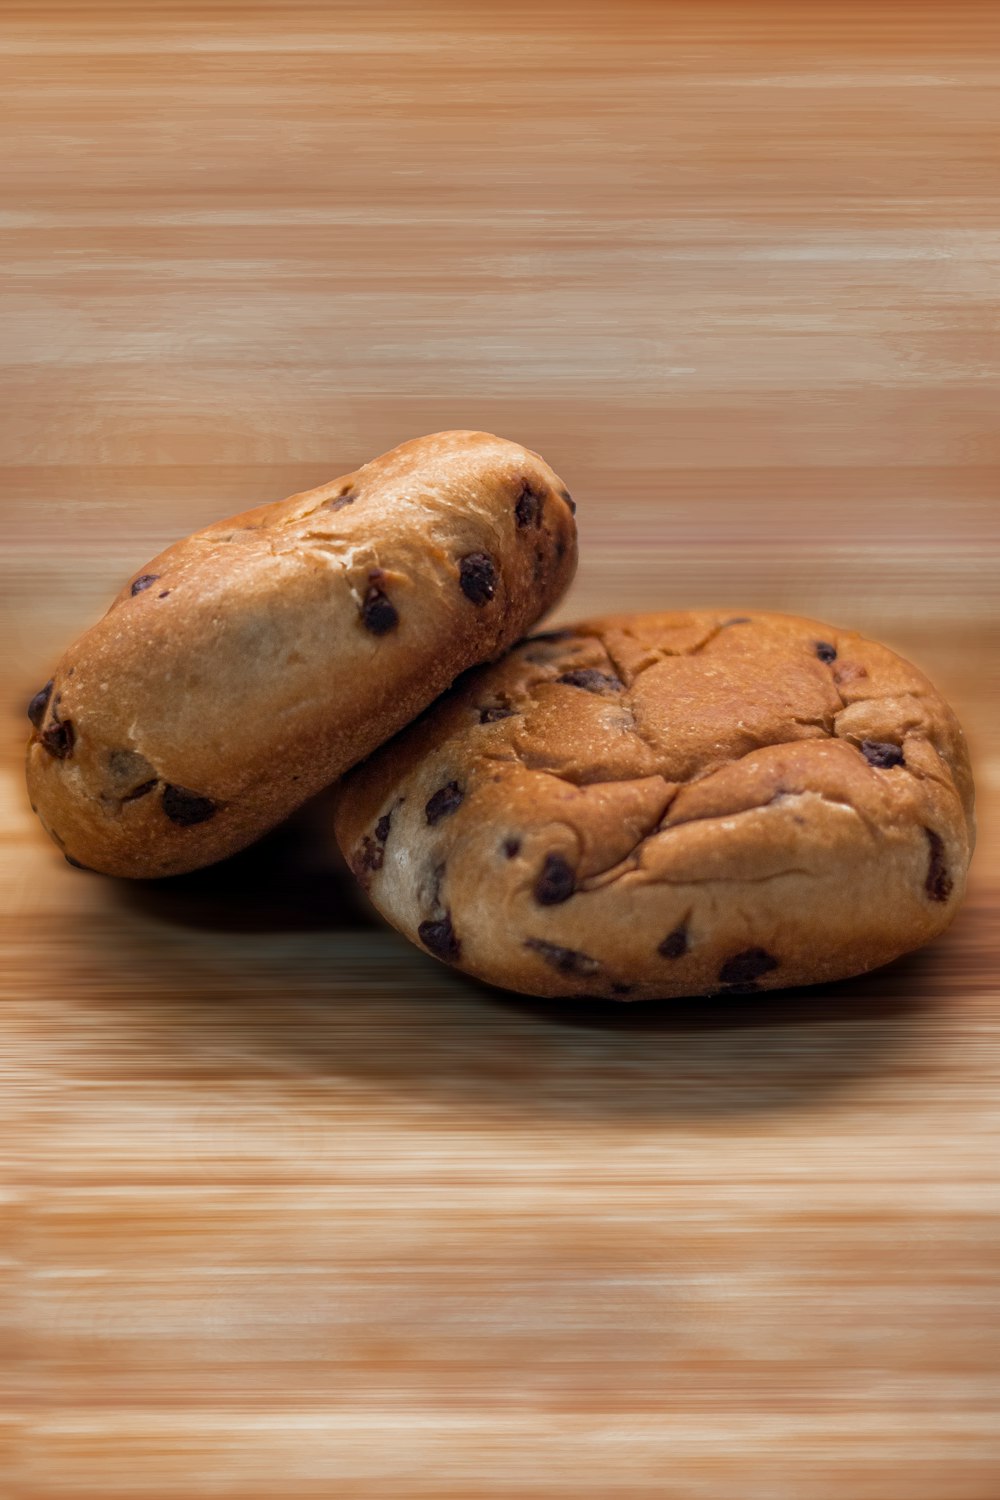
{"points": [[664, 805], [249, 665]]}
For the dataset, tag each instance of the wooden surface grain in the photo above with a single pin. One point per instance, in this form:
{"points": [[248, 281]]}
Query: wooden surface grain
{"points": [[288, 1210]]}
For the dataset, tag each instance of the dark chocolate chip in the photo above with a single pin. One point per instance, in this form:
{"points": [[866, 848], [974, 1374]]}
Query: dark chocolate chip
{"points": [[444, 802], [747, 966], [77, 865], [592, 681], [825, 651], [140, 791], [556, 883], [143, 582], [59, 738], [439, 938], [511, 847], [568, 498], [939, 883], [492, 714], [528, 510], [883, 755], [369, 858], [186, 808], [566, 960], [339, 501], [477, 574], [675, 944], [382, 827], [378, 612], [164, 594], [39, 703]]}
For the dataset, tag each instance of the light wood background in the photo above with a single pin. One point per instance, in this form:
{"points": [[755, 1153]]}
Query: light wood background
{"points": [[288, 1210]]}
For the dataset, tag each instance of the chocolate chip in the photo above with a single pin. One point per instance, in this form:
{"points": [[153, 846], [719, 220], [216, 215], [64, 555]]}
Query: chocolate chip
{"points": [[592, 681], [511, 847], [164, 594], [556, 883], [369, 858], [825, 651], [568, 498], [339, 501], [675, 944], [186, 808], [378, 612], [39, 703], [939, 883], [59, 738], [528, 510], [444, 802], [565, 960], [885, 756], [745, 967], [477, 574], [492, 714], [439, 938], [140, 791], [143, 582], [382, 827]]}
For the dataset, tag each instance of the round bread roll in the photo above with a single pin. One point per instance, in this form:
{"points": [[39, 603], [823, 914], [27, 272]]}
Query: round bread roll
{"points": [[650, 806], [250, 664]]}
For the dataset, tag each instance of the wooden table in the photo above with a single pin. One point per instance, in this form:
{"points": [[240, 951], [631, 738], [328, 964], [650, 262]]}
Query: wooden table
{"points": [[290, 1211]]}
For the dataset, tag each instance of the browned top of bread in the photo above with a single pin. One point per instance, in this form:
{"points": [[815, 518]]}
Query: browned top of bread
{"points": [[609, 783], [250, 664]]}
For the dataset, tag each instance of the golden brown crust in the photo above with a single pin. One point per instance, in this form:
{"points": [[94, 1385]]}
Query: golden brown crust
{"points": [[250, 664], [661, 805]]}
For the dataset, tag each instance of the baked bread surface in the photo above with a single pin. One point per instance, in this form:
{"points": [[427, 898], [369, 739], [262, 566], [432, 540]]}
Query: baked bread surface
{"points": [[249, 665], [662, 805]]}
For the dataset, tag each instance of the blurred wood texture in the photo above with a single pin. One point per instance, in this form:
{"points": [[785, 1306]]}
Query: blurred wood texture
{"points": [[288, 1210]]}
